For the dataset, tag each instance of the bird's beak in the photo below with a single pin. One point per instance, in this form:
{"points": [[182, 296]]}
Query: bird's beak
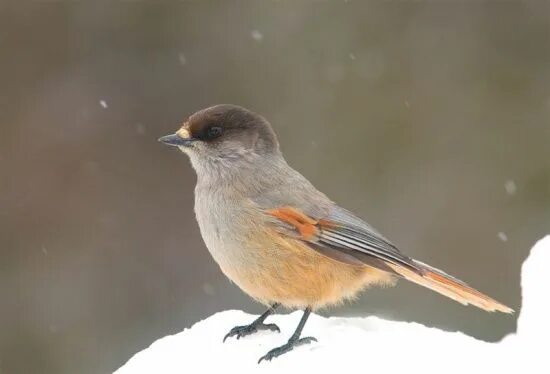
{"points": [[176, 140]]}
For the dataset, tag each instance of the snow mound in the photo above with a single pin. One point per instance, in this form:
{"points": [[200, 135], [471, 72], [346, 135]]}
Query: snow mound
{"points": [[366, 344]]}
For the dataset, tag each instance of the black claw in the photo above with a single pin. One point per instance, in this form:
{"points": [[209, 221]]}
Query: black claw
{"points": [[241, 331], [276, 352], [272, 327]]}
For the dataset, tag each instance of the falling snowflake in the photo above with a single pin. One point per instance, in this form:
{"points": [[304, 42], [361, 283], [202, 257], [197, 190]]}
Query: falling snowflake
{"points": [[502, 236], [140, 128], [208, 289], [182, 59], [103, 103], [256, 35], [510, 187]]}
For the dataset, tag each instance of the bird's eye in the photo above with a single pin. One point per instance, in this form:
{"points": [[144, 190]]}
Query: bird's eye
{"points": [[214, 132]]}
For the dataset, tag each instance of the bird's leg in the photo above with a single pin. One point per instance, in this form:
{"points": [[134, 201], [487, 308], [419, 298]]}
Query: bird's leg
{"points": [[255, 326], [294, 340]]}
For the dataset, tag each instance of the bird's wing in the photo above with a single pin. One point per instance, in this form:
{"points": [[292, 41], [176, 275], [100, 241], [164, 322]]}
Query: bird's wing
{"points": [[340, 232], [343, 237]]}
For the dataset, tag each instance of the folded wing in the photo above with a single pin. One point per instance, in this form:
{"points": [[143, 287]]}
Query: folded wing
{"points": [[345, 238]]}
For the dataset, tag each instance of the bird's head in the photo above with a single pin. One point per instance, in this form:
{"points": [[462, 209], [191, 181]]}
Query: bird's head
{"points": [[224, 134]]}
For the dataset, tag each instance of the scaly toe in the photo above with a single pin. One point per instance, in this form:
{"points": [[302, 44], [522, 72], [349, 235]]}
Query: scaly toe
{"points": [[270, 327], [304, 341], [276, 352], [241, 331]]}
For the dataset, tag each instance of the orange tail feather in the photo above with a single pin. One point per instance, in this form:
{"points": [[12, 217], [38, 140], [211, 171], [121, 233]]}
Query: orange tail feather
{"points": [[453, 288]]}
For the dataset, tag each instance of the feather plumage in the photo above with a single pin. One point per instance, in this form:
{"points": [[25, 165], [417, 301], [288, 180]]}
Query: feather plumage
{"points": [[346, 238]]}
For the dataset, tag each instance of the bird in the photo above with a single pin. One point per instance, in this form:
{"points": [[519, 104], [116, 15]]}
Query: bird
{"points": [[277, 237]]}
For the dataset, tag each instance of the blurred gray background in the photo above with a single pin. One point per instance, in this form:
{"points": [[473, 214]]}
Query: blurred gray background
{"points": [[429, 119]]}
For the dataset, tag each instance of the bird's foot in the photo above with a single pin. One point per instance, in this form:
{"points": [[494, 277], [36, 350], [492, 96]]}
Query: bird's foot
{"points": [[253, 328], [276, 352]]}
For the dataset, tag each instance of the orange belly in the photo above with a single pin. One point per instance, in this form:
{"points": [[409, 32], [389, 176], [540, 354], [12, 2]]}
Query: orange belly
{"points": [[287, 271]]}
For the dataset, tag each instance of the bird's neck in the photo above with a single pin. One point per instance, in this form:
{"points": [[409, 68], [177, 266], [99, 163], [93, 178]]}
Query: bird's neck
{"points": [[244, 176]]}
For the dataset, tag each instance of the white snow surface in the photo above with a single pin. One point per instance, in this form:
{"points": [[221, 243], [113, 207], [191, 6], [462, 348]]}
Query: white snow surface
{"points": [[366, 345]]}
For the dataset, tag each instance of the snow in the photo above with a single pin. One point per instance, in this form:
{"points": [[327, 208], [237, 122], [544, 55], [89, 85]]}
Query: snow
{"points": [[510, 187], [182, 59], [256, 35], [368, 344], [140, 128], [208, 289], [103, 104], [502, 236]]}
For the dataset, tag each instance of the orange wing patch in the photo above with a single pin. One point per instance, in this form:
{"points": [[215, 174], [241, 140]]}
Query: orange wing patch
{"points": [[325, 223], [306, 226]]}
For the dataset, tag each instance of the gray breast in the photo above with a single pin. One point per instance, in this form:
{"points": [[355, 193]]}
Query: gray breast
{"points": [[222, 224]]}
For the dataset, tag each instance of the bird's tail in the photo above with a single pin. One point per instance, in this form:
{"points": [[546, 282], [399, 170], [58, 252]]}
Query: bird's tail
{"points": [[449, 286]]}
